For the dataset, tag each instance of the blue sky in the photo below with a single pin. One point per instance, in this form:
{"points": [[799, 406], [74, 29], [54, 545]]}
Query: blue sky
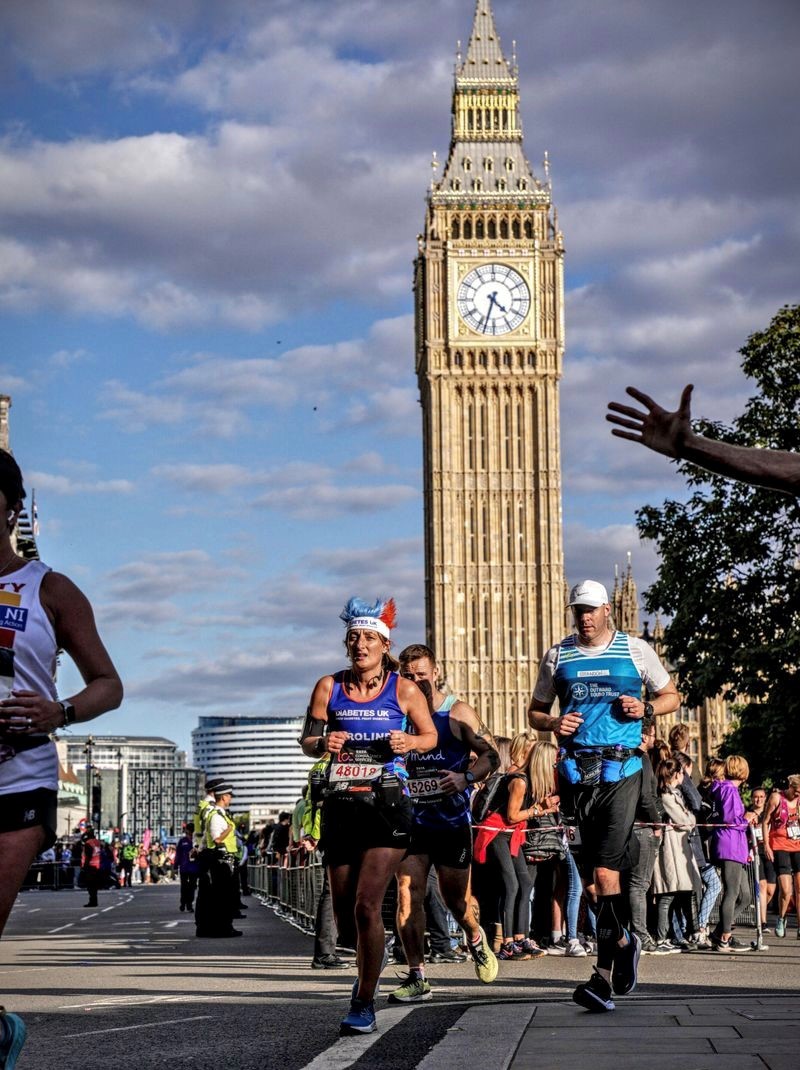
{"points": [[208, 216]]}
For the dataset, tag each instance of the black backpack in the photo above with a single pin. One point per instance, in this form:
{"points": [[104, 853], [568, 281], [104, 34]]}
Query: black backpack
{"points": [[490, 799]]}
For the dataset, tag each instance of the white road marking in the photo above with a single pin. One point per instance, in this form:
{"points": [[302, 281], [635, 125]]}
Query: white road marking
{"points": [[87, 916], [141, 1025], [35, 910], [170, 924], [133, 1001], [481, 1039], [348, 1050], [61, 928]]}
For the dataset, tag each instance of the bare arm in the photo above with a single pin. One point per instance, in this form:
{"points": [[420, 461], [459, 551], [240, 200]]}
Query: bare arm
{"points": [[516, 797], [773, 803], [466, 726], [70, 613], [314, 744], [540, 718], [671, 433], [415, 706]]}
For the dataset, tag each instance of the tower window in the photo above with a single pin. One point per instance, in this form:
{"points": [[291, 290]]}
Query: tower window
{"points": [[509, 164], [488, 164], [477, 184], [503, 227], [482, 358], [467, 228], [491, 229], [458, 359], [522, 183], [479, 225], [455, 184], [455, 229], [528, 228], [467, 163], [515, 229], [501, 185]]}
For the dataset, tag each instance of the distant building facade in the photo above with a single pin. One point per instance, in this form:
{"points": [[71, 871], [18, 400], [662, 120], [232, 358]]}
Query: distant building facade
{"points": [[133, 782], [261, 758]]}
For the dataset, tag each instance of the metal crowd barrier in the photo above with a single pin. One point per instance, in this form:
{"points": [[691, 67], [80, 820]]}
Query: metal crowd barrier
{"points": [[49, 876], [295, 890]]}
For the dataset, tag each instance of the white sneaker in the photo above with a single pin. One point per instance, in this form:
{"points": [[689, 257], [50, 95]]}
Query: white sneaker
{"points": [[576, 950]]}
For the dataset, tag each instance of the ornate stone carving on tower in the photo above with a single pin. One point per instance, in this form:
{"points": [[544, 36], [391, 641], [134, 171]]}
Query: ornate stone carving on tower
{"points": [[489, 293]]}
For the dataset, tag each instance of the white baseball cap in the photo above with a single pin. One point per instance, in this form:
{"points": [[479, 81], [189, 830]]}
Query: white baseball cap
{"points": [[588, 593]]}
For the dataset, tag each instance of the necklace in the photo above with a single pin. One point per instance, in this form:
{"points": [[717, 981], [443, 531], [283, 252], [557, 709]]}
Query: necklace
{"points": [[369, 684], [5, 566]]}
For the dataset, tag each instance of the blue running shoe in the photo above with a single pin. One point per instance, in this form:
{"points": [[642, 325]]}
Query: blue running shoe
{"points": [[626, 965], [360, 1019], [12, 1038]]}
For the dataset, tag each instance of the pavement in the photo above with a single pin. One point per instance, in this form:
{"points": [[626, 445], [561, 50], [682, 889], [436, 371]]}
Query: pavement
{"points": [[129, 985]]}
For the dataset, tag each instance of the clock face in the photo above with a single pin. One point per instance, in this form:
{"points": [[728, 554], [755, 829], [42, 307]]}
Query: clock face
{"points": [[493, 299]]}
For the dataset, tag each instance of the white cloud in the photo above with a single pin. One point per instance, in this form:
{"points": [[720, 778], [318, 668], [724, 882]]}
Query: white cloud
{"points": [[58, 484]]}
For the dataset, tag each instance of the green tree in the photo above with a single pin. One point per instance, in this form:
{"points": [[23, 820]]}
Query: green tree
{"points": [[729, 577]]}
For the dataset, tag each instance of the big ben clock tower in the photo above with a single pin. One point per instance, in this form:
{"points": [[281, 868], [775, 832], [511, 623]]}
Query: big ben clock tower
{"points": [[489, 293]]}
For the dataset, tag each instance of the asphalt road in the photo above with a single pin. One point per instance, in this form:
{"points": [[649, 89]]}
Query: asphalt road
{"points": [[128, 985]]}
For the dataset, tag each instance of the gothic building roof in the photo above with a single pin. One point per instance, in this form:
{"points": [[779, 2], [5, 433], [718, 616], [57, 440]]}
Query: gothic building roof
{"points": [[486, 151]]}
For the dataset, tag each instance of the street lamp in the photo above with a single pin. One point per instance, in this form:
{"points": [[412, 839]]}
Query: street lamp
{"points": [[87, 750]]}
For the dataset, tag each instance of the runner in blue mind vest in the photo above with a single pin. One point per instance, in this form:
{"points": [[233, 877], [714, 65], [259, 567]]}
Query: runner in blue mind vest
{"points": [[598, 676], [440, 783], [363, 717]]}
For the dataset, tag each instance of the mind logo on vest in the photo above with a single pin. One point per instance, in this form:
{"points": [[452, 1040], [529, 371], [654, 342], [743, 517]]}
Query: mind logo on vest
{"points": [[580, 692]]}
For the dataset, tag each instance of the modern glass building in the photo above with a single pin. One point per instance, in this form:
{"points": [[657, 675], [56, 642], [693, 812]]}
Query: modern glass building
{"points": [[259, 755], [133, 783]]}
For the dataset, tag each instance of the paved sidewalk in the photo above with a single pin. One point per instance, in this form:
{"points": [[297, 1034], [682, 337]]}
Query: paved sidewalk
{"points": [[745, 1033]]}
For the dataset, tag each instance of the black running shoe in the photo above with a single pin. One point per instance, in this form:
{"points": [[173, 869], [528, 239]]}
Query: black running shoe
{"points": [[594, 995], [626, 965]]}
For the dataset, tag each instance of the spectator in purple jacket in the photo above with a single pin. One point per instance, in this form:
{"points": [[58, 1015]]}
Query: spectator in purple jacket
{"points": [[188, 867], [728, 847]]}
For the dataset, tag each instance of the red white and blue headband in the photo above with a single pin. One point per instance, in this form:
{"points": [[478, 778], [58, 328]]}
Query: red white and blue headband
{"points": [[380, 617]]}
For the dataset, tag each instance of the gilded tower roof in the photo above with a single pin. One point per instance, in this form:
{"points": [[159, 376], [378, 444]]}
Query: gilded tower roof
{"points": [[486, 152]]}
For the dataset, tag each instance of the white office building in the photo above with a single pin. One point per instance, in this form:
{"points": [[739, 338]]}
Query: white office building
{"points": [[260, 756]]}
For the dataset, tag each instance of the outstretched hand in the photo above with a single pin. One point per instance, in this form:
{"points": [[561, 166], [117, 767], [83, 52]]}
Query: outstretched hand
{"points": [[659, 430]]}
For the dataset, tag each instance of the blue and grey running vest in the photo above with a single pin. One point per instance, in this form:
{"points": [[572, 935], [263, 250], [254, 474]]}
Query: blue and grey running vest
{"points": [[433, 809], [591, 684], [370, 722]]}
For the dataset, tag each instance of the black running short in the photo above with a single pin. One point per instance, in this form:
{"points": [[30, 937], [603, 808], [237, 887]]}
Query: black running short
{"points": [[767, 869], [351, 826], [27, 809], [787, 862], [448, 847], [606, 815]]}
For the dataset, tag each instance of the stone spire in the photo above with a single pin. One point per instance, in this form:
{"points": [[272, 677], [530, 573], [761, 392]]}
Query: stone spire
{"points": [[486, 151], [485, 61]]}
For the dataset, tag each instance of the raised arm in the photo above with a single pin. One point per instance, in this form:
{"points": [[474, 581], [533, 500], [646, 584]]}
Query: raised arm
{"points": [[670, 433]]}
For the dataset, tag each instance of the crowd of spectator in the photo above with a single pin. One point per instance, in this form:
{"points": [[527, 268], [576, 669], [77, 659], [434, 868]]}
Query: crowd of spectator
{"points": [[695, 873]]}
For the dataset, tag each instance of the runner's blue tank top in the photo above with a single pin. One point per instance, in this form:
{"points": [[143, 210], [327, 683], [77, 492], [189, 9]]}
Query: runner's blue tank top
{"points": [[591, 684], [434, 809], [369, 723]]}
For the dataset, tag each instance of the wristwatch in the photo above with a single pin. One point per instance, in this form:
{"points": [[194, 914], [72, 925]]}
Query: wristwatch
{"points": [[70, 716], [648, 709], [469, 776]]}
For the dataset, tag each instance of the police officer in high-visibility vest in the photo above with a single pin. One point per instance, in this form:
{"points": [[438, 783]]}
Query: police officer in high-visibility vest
{"points": [[199, 819], [217, 893]]}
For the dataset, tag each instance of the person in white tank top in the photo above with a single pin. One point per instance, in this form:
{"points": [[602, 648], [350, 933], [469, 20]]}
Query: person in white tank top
{"points": [[41, 612]]}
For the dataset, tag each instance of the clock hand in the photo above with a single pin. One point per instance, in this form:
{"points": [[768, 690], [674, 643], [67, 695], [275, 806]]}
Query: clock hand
{"points": [[492, 301]]}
